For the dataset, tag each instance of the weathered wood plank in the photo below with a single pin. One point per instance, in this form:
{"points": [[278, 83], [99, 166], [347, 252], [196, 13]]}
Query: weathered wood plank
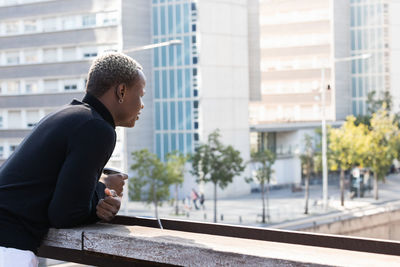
{"points": [[64, 238], [190, 249]]}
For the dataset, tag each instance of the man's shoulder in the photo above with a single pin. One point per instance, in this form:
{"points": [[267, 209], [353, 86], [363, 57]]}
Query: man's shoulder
{"points": [[76, 111], [74, 116]]}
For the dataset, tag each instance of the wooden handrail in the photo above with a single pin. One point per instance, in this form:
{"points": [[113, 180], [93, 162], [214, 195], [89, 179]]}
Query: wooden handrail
{"points": [[195, 244]]}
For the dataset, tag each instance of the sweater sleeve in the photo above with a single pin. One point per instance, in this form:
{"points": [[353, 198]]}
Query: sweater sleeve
{"points": [[77, 190]]}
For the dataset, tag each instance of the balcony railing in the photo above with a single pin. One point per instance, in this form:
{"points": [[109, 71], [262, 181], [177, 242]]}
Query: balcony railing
{"points": [[132, 241]]}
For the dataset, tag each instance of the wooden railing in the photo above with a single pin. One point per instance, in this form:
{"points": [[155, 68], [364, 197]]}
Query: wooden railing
{"points": [[133, 241]]}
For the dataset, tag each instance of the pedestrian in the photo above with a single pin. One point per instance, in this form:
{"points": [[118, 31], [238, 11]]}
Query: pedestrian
{"points": [[202, 200], [195, 197], [52, 179]]}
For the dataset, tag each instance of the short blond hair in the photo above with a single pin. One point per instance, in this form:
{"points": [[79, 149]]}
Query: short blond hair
{"points": [[111, 69]]}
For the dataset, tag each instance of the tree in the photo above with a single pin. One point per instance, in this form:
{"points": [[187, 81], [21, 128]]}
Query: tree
{"points": [[347, 148], [382, 143], [175, 171], [263, 161], [151, 181], [374, 104], [307, 163], [216, 163]]}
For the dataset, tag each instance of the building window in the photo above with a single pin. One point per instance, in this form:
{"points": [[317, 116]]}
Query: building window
{"points": [[1, 152], [172, 116], [69, 53], [12, 27], [188, 115], [12, 148], [89, 52], [69, 22], [32, 118], [155, 21], [89, 20], [109, 18], [49, 24], [50, 85], [13, 87], [30, 26], [50, 55], [14, 119], [31, 87], [12, 58], [70, 85], [31, 56]]}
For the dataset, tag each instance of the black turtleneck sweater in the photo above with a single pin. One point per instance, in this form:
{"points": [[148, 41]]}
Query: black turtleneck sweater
{"points": [[51, 180]]}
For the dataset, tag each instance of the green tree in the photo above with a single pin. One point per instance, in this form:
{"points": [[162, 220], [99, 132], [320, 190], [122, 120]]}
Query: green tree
{"points": [[175, 171], [375, 103], [151, 181], [307, 163], [382, 142], [263, 161], [347, 147], [216, 163]]}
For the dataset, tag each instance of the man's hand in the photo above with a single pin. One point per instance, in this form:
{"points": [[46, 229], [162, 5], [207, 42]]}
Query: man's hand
{"points": [[115, 182], [108, 207]]}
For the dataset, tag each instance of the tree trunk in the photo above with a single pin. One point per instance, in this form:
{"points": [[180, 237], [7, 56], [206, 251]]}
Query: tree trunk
{"points": [[267, 197], [155, 201], [263, 201], [156, 209], [342, 187], [375, 186], [215, 202], [306, 196], [176, 200]]}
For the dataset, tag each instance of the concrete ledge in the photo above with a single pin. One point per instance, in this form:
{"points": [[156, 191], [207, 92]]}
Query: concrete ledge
{"points": [[170, 247]]}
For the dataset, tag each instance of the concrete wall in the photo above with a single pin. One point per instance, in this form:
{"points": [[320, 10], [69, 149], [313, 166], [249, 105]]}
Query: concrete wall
{"points": [[56, 7], [385, 225], [224, 78], [341, 85], [136, 31], [394, 43], [254, 50], [295, 139]]}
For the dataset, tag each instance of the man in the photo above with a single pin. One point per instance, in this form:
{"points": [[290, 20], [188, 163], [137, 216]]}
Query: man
{"points": [[51, 180]]}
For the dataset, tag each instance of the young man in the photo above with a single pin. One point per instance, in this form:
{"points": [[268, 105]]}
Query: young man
{"points": [[52, 179]]}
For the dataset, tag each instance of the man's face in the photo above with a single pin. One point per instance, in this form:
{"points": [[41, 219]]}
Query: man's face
{"points": [[132, 102]]}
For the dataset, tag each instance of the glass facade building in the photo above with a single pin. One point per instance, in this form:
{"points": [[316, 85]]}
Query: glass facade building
{"points": [[369, 31], [175, 76]]}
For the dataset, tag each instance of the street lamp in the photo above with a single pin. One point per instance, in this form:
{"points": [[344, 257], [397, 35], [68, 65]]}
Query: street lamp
{"points": [[151, 46], [124, 152], [324, 143]]}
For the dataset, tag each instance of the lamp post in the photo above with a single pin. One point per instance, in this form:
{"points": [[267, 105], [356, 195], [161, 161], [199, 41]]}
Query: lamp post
{"points": [[151, 46], [124, 146], [324, 143]]}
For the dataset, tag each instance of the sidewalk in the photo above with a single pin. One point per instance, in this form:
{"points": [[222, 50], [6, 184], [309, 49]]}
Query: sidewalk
{"points": [[284, 205]]}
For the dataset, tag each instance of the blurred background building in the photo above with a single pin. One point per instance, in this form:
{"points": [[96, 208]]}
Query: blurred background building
{"points": [[240, 65], [46, 48], [193, 88], [298, 41]]}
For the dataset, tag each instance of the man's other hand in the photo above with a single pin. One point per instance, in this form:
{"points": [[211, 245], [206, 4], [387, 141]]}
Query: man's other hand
{"points": [[115, 182], [108, 207]]}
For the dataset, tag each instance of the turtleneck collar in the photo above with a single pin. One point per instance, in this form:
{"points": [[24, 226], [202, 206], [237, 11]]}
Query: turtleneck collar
{"points": [[99, 107]]}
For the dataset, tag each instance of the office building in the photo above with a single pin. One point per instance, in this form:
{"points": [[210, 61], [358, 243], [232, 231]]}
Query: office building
{"points": [[306, 46], [374, 26], [193, 88], [298, 43]]}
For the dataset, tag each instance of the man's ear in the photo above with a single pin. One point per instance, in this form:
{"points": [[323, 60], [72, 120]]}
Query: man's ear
{"points": [[120, 91]]}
